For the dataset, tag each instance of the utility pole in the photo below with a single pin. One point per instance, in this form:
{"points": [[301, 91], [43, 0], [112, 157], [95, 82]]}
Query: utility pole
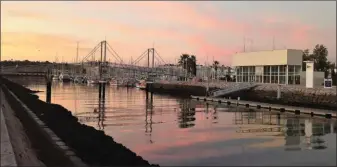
{"points": [[152, 57], [273, 43], [244, 44], [77, 53]]}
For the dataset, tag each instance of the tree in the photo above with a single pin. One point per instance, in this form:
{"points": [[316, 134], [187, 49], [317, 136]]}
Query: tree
{"points": [[193, 64], [319, 57], [189, 63], [215, 66], [228, 75]]}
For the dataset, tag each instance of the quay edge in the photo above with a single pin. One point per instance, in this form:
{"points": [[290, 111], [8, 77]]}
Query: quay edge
{"points": [[290, 96]]}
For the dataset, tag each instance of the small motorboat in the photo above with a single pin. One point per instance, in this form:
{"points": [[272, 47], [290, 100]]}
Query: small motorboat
{"points": [[114, 82], [64, 78], [79, 79], [55, 78], [141, 84], [91, 81]]}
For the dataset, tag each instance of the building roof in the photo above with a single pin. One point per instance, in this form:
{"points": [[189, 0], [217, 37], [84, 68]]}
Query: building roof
{"points": [[268, 57]]}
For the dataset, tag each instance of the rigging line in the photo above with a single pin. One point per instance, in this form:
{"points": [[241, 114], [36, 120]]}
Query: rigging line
{"points": [[160, 57], [91, 52], [136, 62], [114, 52], [140, 57], [118, 60]]}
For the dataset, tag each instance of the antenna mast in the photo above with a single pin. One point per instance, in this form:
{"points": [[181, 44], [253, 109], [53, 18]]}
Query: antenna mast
{"points": [[273, 43], [77, 53], [244, 44]]}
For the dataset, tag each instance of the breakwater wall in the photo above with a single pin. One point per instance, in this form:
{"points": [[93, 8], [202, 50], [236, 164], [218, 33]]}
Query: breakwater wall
{"points": [[319, 98], [92, 146]]}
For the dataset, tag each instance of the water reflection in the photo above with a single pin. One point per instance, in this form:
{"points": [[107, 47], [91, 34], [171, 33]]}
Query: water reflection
{"points": [[101, 107], [186, 116], [189, 132], [148, 116]]}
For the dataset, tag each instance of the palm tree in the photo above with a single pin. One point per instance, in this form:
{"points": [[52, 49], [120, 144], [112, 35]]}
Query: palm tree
{"points": [[189, 63], [215, 66], [193, 65]]}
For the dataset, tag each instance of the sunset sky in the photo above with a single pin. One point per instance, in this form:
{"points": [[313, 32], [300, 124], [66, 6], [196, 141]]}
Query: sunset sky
{"points": [[42, 30]]}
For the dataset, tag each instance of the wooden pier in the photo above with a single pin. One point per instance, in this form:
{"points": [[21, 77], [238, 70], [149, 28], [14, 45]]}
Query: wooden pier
{"points": [[276, 107]]}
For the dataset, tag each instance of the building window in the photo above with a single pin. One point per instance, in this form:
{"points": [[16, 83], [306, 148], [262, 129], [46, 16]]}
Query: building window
{"points": [[298, 70], [283, 70], [297, 79], [291, 70], [291, 80], [266, 70], [266, 79], [282, 79]]}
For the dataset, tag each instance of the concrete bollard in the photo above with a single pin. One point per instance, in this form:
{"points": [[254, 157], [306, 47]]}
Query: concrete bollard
{"points": [[312, 114], [247, 105], [282, 109], [228, 103], [278, 91], [258, 106], [297, 112], [329, 116]]}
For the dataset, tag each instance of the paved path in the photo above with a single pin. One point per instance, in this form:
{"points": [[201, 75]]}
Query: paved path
{"points": [[16, 147], [7, 153]]}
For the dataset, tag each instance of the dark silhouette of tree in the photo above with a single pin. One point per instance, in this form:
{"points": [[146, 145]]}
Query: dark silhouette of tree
{"points": [[189, 63], [193, 64], [319, 57], [215, 67]]}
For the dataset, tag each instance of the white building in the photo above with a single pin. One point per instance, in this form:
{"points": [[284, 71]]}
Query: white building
{"points": [[274, 66]]}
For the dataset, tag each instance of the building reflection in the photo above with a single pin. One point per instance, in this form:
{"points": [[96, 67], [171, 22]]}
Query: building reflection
{"points": [[186, 115], [299, 132]]}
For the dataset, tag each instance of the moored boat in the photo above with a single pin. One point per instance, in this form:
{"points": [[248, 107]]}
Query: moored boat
{"points": [[141, 84], [64, 78]]}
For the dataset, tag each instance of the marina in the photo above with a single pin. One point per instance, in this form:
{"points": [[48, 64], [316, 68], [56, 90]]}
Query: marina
{"points": [[127, 113], [168, 84]]}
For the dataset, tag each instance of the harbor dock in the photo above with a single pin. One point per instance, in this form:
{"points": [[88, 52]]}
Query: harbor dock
{"points": [[282, 108]]}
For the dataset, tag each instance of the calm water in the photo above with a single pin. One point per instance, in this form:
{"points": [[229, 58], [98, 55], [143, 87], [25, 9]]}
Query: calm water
{"points": [[171, 131]]}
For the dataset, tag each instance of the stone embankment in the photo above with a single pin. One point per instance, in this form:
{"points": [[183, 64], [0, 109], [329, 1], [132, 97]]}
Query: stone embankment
{"points": [[290, 94], [92, 146]]}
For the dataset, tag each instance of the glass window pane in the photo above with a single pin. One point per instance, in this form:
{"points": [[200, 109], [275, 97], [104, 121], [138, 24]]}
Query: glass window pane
{"points": [[282, 79], [297, 80]]}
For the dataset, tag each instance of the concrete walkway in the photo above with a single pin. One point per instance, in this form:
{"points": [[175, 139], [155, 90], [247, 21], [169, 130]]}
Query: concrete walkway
{"points": [[16, 147], [7, 153]]}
